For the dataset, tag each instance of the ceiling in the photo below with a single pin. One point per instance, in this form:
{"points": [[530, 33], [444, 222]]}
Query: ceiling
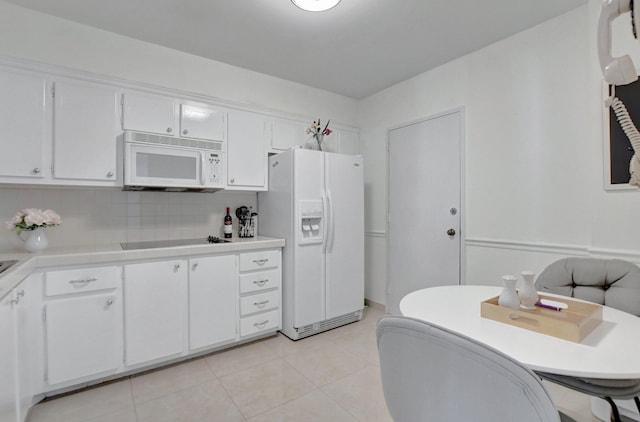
{"points": [[355, 49]]}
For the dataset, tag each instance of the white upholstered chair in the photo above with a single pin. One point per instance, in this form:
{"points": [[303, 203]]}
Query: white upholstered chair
{"points": [[432, 374], [610, 282]]}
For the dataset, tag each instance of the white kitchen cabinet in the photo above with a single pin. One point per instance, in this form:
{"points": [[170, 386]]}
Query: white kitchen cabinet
{"points": [[85, 128], [28, 345], [82, 323], [343, 142], [23, 118], [213, 294], [260, 293], [149, 113], [8, 360], [202, 122], [246, 152], [172, 117], [82, 335], [155, 305], [287, 133]]}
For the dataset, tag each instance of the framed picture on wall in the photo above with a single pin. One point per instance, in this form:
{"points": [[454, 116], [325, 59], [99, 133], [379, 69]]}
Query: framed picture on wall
{"points": [[617, 148]]}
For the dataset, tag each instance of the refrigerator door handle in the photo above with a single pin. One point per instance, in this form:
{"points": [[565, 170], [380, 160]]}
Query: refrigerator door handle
{"points": [[331, 228], [325, 226]]}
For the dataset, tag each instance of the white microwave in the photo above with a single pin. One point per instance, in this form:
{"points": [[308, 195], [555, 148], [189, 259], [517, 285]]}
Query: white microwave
{"points": [[153, 162]]}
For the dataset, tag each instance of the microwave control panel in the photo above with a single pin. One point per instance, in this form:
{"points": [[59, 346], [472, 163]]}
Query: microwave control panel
{"points": [[213, 171]]}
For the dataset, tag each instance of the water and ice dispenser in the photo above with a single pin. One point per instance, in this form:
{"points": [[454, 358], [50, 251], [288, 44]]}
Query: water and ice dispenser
{"points": [[310, 222]]}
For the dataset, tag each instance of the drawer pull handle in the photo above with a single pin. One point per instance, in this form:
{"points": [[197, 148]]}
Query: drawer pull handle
{"points": [[261, 325], [260, 304], [83, 282], [260, 282], [261, 261], [16, 300]]}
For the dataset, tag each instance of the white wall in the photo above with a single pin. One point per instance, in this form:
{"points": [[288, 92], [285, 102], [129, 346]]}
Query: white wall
{"points": [[534, 178], [97, 217]]}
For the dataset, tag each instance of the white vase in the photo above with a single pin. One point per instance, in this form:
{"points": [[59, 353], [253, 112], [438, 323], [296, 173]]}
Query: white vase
{"points": [[36, 240], [527, 293], [509, 296]]}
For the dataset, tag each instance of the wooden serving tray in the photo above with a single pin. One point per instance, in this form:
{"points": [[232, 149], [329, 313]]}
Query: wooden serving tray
{"points": [[573, 323]]}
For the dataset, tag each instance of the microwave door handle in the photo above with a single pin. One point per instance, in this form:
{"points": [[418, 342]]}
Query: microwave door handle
{"points": [[202, 175]]}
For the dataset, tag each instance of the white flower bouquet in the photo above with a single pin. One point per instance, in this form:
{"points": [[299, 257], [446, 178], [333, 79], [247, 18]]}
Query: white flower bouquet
{"points": [[32, 218]]}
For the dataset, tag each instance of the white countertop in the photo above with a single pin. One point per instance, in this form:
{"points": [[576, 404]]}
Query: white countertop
{"points": [[89, 255]]}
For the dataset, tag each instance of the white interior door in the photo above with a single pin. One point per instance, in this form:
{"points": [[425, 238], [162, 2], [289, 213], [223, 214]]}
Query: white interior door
{"points": [[424, 205]]}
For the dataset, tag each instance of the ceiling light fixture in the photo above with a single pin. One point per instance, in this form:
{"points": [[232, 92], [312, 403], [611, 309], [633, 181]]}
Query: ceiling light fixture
{"points": [[315, 5]]}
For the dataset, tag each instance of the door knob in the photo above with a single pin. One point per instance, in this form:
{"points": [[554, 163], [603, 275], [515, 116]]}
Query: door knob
{"points": [[451, 232]]}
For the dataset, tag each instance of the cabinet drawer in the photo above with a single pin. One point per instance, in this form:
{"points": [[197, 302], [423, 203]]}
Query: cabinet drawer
{"points": [[259, 281], [259, 302], [259, 323], [259, 260], [81, 280]]}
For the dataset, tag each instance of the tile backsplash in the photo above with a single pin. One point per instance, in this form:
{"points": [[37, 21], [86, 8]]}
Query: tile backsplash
{"points": [[94, 217]]}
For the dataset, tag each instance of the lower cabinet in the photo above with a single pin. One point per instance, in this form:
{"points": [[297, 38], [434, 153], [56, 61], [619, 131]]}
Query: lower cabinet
{"points": [[213, 285], [155, 304], [82, 324], [260, 276], [65, 328], [81, 337], [8, 361]]}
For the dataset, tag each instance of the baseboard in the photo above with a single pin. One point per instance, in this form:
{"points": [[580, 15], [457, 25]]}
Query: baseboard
{"points": [[375, 305]]}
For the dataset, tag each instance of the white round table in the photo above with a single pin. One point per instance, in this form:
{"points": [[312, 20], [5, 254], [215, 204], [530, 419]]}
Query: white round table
{"points": [[611, 351]]}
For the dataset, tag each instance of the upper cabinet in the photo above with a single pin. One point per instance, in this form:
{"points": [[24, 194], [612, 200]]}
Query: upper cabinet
{"points": [[24, 124], [287, 133], [171, 117], [246, 154], [85, 129]]}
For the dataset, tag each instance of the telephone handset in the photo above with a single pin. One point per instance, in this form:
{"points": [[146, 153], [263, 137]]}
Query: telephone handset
{"points": [[619, 71]]}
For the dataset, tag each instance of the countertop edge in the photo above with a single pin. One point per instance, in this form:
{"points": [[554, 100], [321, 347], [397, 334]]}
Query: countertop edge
{"points": [[28, 263]]}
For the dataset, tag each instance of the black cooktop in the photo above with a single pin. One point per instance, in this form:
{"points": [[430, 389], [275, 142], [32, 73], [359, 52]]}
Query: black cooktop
{"points": [[151, 244]]}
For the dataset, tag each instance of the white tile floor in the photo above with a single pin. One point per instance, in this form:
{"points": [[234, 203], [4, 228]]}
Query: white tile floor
{"points": [[333, 376]]}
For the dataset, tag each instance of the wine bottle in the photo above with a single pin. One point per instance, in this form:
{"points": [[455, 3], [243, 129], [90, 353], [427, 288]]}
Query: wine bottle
{"points": [[228, 225]]}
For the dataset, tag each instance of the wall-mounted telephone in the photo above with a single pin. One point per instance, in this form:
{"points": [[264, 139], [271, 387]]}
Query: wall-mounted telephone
{"points": [[619, 71]]}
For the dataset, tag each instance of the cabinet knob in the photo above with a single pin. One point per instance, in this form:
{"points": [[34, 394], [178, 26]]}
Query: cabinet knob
{"points": [[36, 170], [110, 174], [184, 132], [109, 302], [169, 130], [176, 267], [232, 180], [451, 232], [194, 266], [16, 300]]}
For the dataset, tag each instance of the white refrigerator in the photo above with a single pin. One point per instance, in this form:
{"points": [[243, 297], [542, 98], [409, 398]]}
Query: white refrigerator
{"points": [[315, 202]]}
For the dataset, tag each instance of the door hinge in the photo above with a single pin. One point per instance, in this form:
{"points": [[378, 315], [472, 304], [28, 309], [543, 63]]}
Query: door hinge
{"points": [[53, 90], [122, 274], [44, 314]]}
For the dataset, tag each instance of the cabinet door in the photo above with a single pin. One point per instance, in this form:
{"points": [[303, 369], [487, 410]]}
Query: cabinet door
{"points": [[154, 310], [213, 295], [81, 337], [23, 122], [8, 361], [247, 158], [287, 133], [347, 142], [149, 113], [202, 122], [85, 131]]}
